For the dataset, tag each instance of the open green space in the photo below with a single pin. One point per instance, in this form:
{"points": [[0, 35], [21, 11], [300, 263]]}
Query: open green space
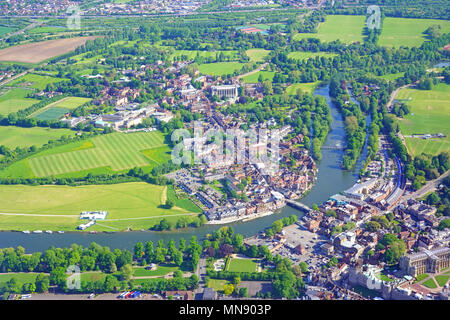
{"points": [[5, 30], [217, 284], [56, 110], [13, 137], [254, 78], [305, 55], [391, 77], [421, 277], [21, 278], [192, 54], [115, 152], [398, 32], [257, 55], [14, 100], [134, 205], [220, 68], [305, 87], [161, 270], [430, 283], [241, 265], [34, 81], [442, 279], [346, 28], [430, 114]]}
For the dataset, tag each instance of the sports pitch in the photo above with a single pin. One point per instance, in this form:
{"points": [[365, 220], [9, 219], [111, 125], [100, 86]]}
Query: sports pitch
{"points": [[242, 265], [430, 114], [13, 137]]}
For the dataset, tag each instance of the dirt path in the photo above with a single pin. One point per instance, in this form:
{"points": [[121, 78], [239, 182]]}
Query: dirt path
{"points": [[261, 67]]}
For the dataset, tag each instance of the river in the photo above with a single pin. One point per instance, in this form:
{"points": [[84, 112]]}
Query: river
{"points": [[331, 179]]}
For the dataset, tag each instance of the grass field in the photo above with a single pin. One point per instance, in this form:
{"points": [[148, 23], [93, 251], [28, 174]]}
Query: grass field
{"points": [[56, 110], [162, 270], [430, 113], [253, 78], [306, 87], [346, 28], [392, 76], [302, 55], [430, 283], [5, 30], [407, 32], [220, 68], [102, 154], [241, 265], [14, 100], [134, 205], [34, 81], [217, 284], [421, 277], [21, 278], [442, 279], [192, 54], [13, 137], [257, 55]]}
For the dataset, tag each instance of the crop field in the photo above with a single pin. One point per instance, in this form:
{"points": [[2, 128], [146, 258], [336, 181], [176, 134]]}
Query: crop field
{"points": [[408, 32], [40, 51], [5, 30], [306, 87], [302, 55], [242, 265], [13, 137], [57, 109], [346, 28], [34, 81], [14, 100], [253, 78], [220, 68], [430, 114], [117, 151], [257, 55], [134, 205]]}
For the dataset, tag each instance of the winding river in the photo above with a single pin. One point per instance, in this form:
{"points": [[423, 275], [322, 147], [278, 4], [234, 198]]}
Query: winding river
{"points": [[330, 180]]}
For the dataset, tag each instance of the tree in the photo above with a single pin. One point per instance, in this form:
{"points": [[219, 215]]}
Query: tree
{"points": [[42, 283], [58, 276], [243, 292], [126, 272], [170, 203], [228, 289], [139, 250]]}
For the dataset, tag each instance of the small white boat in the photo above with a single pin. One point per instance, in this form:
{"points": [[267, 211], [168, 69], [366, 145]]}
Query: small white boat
{"points": [[37, 231], [60, 231], [49, 231], [26, 231]]}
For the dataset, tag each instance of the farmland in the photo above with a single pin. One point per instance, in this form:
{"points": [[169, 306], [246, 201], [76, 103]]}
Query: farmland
{"points": [[347, 29], [38, 52], [253, 78], [398, 32], [257, 55], [429, 114], [13, 137], [305, 87], [130, 205], [107, 153], [34, 81], [14, 100]]}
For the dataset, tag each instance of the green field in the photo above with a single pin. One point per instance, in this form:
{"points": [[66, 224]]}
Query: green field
{"points": [[134, 205], [217, 284], [430, 113], [442, 279], [253, 78], [407, 32], [5, 30], [192, 54], [306, 87], [430, 283], [257, 55], [21, 278], [391, 77], [242, 265], [346, 28], [421, 277], [302, 55], [56, 110], [161, 270], [14, 100], [102, 154], [34, 81], [220, 68], [13, 137]]}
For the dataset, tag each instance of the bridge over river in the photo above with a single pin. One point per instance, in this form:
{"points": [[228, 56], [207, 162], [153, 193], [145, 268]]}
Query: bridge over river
{"points": [[298, 205]]}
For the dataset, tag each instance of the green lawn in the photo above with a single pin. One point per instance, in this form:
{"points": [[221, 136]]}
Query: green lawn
{"points": [[134, 205], [192, 54], [56, 110], [257, 55], [13, 137], [392, 76], [430, 113], [217, 284], [162, 270], [384, 277], [407, 32], [34, 81], [308, 87], [14, 100], [442, 279], [346, 28], [305, 55], [112, 153], [430, 283], [242, 265], [220, 68], [421, 277], [21, 278], [5, 30], [253, 78]]}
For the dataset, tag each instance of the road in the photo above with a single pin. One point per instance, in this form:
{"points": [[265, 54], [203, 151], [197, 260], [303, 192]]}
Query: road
{"points": [[201, 273], [261, 67], [394, 94], [429, 187]]}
